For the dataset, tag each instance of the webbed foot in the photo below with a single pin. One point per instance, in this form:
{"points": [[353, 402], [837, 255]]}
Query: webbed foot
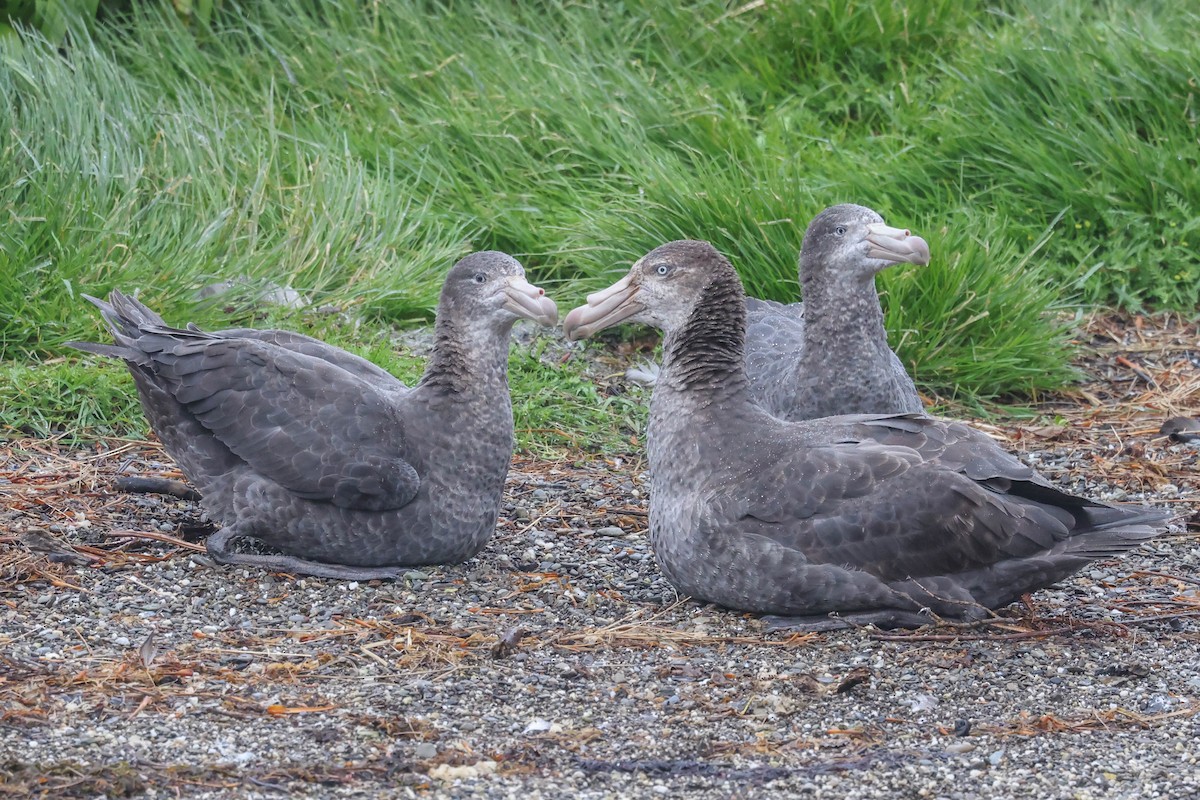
{"points": [[154, 485], [819, 623], [219, 550], [645, 374]]}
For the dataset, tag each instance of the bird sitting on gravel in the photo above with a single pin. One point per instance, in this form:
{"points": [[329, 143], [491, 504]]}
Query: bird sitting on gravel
{"points": [[829, 354], [878, 519], [324, 456]]}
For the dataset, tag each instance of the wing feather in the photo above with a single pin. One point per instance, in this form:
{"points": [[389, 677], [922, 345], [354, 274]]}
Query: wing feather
{"points": [[901, 496], [299, 419]]}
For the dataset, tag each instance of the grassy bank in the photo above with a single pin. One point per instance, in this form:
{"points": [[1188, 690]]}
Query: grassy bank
{"points": [[1047, 151]]}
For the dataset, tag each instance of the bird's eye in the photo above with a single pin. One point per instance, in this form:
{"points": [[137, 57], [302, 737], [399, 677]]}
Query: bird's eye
{"points": [[840, 230], [480, 277], [662, 269]]}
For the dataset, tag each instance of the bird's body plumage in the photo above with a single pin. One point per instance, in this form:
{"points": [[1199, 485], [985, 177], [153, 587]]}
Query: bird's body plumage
{"points": [[324, 456], [874, 517]]}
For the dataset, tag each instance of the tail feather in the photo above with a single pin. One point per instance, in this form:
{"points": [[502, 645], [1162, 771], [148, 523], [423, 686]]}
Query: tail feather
{"points": [[1112, 530], [126, 319], [110, 350], [1104, 517], [1104, 532], [127, 313]]}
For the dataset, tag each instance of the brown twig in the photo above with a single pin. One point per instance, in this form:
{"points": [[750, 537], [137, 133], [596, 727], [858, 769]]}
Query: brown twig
{"points": [[1160, 617], [1166, 575], [1136, 370], [158, 537], [972, 637]]}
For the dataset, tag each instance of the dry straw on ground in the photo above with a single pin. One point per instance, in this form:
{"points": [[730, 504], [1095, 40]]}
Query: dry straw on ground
{"points": [[560, 663]]}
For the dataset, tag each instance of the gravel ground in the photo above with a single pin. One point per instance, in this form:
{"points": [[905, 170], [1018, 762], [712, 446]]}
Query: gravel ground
{"points": [[559, 662]]}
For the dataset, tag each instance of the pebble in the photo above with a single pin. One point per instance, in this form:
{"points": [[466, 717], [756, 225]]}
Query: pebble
{"points": [[538, 726], [617, 688]]}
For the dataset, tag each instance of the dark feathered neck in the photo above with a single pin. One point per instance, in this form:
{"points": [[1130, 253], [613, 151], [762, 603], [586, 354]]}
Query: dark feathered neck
{"points": [[707, 352], [840, 320], [462, 363]]}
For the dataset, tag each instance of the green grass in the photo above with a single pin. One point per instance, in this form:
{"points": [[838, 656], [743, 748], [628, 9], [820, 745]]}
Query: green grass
{"points": [[354, 151], [556, 403], [60, 396]]}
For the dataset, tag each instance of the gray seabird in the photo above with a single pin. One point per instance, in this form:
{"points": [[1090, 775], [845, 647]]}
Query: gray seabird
{"points": [[326, 457], [873, 518]]}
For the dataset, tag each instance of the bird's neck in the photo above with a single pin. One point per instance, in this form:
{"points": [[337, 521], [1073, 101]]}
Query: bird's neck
{"points": [[463, 365], [842, 322], [705, 355]]}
